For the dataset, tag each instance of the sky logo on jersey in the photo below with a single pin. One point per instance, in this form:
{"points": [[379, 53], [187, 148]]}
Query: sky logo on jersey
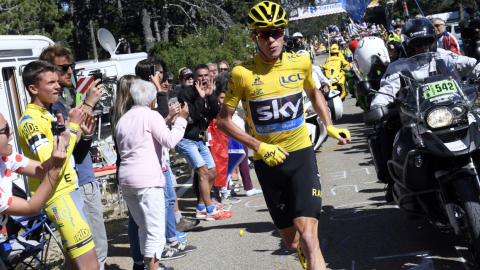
{"points": [[292, 81], [277, 115]]}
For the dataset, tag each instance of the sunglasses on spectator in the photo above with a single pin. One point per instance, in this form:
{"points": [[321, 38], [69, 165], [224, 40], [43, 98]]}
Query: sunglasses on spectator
{"points": [[265, 35], [188, 78], [169, 81], [5, 130], [421, 42], [437, 25], [65, 68], [224, 69]]}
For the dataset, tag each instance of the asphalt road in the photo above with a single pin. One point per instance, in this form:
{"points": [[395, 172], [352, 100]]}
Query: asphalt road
{"points": [[357, 230]]}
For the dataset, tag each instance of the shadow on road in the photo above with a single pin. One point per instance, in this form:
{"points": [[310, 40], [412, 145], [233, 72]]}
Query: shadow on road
{"points": [[360, 237]]}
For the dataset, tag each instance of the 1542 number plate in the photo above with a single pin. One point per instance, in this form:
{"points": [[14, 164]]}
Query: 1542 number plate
{"points": [[440, 88]]}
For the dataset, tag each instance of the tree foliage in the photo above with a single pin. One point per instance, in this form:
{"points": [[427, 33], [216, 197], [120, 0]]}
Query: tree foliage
{"points": [[34, 17], [209, 45]]}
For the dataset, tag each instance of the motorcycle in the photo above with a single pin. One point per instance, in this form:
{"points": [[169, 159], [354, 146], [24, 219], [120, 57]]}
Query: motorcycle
{"points": [[336, 75], [316, 128], [435, 155], [355, 77]]}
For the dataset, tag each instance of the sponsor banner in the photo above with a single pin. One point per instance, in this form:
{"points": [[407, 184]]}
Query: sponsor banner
{"points": [[356, 8]]}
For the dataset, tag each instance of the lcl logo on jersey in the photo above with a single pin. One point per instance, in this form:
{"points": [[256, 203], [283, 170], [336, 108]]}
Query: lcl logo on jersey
{"points": [[276, 115], [292, 81]]}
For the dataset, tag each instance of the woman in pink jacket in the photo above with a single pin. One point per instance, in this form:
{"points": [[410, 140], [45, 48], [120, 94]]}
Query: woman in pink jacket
{"points": [[140, 135]]}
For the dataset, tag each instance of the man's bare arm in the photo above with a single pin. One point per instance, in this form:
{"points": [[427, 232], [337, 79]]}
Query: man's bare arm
{"points": [[320, 106]]}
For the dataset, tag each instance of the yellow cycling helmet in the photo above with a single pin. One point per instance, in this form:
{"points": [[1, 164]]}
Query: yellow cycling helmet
{"points": [[267, 14], [334, 49]]}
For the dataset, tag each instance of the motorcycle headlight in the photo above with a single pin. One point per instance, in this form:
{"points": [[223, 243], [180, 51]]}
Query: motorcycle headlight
{"points": [[439, 117]]}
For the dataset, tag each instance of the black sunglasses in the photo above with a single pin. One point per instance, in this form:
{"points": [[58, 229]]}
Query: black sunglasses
{"points": [[421, 42], [5, 130], [224, 69], [65, 68], [265, 35]]}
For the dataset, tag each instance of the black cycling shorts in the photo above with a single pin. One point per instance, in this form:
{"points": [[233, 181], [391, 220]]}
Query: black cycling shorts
{"points": [[291, 189]]}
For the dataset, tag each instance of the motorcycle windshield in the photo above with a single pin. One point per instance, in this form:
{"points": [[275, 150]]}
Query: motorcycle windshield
{"points": [[434, 81]]}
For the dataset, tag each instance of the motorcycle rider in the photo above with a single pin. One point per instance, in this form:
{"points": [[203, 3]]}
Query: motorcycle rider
{"points": [[344, 49], [418, 36], [298, 44], [334, 51]]}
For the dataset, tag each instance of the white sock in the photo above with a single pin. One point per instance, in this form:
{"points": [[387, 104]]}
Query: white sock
{"points": [[178, 216]]}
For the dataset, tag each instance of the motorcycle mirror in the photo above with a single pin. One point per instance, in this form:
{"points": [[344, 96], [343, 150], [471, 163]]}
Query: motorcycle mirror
{"points": [[364, 88]]}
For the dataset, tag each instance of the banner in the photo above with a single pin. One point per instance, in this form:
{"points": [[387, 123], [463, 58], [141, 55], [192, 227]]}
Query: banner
{"points": [[356, 9]]}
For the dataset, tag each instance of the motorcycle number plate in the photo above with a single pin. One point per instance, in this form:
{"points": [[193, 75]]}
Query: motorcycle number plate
{"points": [[440, 88]]}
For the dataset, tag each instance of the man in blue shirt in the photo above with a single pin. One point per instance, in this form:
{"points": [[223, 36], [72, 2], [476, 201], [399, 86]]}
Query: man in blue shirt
{"points": [[63, 58]]}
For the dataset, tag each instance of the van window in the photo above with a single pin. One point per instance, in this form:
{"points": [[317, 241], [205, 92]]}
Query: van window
{"points": [[457, 30], [8, 75], [26, 94]]}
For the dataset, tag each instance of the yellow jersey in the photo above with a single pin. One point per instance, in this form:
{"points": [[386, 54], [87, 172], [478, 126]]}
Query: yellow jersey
{"points": [[271, 96], [336, 62], [36, 140]]}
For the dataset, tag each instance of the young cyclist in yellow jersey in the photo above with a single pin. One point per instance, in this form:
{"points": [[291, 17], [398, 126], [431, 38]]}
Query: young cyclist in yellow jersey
{"points": [[65, 206], [269, 86]]}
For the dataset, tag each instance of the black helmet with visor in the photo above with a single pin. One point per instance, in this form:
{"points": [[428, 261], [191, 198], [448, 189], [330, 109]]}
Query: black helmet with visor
{"points": [[418, 33]]}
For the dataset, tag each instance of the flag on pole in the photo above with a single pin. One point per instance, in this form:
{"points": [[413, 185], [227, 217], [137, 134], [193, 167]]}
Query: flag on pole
{"points": [[354, 28], [226, 152], [356, 8]]}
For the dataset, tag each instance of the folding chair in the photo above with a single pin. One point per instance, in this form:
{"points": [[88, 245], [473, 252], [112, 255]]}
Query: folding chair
{"points": [[31, 247]]}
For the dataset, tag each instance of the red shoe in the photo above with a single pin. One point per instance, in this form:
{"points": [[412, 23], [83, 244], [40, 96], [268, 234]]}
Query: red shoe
{"points": [[218, 214], [217, 203]]}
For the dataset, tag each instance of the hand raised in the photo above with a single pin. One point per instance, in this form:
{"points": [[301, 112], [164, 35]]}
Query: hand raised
{"points": [[94, 93], [89, 124], [65, 134], [59, 152], [184, 111], [76, 114], [174, 109], [200, 91]]}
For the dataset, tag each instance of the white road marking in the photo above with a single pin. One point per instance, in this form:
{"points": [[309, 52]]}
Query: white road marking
{"points": [[366, 170], [184, 188], [336, 175], [356, 189], [247, 204], [425, 264], [462, 259]]}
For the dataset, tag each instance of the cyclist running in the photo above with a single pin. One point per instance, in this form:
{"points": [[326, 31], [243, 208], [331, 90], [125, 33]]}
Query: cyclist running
{"points": [[270, 87]]}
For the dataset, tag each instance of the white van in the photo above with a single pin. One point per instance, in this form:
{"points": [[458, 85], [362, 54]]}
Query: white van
{"points": [[454, 30], [15, 53]]}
